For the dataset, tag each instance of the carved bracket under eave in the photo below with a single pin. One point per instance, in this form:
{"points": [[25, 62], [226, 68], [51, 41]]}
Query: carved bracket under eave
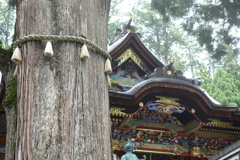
{"points": [[192, 126]]}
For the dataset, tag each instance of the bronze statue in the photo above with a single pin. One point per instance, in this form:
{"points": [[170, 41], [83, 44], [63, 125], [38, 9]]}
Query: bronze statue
{"points": [[128, 148]]}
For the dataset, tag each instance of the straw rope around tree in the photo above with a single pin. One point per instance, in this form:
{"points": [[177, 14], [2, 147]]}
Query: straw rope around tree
{"points": [[17, 57], [82, 40]]}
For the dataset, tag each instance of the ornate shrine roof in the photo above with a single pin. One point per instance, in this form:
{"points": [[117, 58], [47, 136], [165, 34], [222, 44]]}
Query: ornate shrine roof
{"points": [[159, 78]]}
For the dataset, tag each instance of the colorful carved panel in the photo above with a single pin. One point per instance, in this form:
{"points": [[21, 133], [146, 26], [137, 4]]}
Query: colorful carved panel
{"points": [[128, 72], [160, 111], [177, 144]]}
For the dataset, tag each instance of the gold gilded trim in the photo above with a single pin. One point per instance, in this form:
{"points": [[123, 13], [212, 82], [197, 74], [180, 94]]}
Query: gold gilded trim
{"points": [[161, 152], [219, 131], [219, 123], [153, 130], [123, 82], [129, 53], [168, 100], [117, 111]]}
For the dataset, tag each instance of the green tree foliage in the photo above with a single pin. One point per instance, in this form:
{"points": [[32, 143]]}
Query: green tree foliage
{"points": [[204, 74], [115, 20], [213, 23], [225, 88], [160, 37], [225, 85], [7, 21], [174, 8]]}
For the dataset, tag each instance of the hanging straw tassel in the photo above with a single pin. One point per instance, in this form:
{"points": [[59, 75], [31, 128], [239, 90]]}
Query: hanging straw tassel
{"points": [[15, 72], [17, 57], [84, 52], [108, 67], [48, 52], [109, 82]]}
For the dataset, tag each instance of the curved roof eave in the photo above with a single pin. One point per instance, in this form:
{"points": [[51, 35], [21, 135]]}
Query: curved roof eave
{"points": [[177, 87]]}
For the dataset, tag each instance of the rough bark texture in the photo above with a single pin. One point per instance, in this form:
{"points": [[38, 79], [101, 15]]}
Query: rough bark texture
{"points": [[11, 131], [10, 102], [63, 107]]}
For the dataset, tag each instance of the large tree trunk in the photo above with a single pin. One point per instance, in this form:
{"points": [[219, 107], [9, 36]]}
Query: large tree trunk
{"points": [[63, 107]]}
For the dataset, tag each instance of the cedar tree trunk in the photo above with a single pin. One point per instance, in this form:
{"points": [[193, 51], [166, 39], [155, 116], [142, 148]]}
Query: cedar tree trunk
{"points": [[63, 104]]}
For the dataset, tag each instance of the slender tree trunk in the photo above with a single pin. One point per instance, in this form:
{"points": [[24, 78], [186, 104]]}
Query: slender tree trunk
{"points": [[63, 107]]}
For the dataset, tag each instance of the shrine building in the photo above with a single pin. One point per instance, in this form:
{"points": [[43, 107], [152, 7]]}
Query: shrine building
{"points": [[165, 115]]}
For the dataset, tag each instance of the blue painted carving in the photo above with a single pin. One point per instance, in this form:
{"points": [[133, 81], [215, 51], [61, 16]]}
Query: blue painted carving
{"points": [[159, 107]]}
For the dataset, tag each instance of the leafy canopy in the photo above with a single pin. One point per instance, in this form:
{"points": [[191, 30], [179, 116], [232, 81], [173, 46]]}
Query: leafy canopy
{"points": [[7, 21], [213, 23]]}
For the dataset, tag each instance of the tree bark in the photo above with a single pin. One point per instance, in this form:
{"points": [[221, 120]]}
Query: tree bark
{"points": [[10, 102], [63, 104], [10, 112]]}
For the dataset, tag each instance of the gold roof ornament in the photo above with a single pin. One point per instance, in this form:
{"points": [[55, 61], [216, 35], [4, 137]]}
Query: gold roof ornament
{"points": [[115, 145], [193, 110], [131, 17], [217, 122], [129, 53], [168, 100], [117, 111], [195, 151], [141, 104]]}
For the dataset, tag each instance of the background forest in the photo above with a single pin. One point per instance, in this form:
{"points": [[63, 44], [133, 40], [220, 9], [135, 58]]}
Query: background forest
{"points": [[202, 36]]}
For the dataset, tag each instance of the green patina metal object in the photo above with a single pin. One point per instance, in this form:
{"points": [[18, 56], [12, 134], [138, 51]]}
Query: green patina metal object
{"points": [[128, 148]]}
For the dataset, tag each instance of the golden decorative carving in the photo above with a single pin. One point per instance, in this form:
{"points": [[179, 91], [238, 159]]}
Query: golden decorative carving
{"points": [[168, 100], [117, 111], [192, 126], [219, 123], [128, 30], [129, 53], [115, 145], [116, 119], [195, 151]]}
